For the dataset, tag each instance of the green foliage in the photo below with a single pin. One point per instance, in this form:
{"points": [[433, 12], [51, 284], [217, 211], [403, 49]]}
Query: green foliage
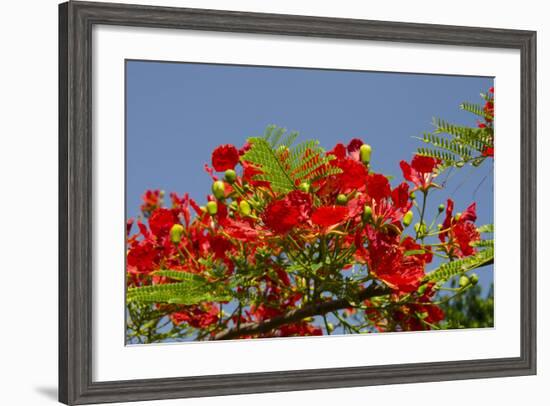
{"points": [[448, 270], [285, 166], [486, 228], [469, 310], [456, 145], [191, 289]]}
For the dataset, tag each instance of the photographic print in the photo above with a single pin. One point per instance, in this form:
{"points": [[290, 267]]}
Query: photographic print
{"points": [[266, 202]]}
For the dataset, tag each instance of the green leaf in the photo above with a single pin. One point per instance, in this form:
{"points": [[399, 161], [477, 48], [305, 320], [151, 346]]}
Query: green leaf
{"points": [[192, 289], [180, 275], [487, 228], [285, 166], [483, 243], [450, 269]]}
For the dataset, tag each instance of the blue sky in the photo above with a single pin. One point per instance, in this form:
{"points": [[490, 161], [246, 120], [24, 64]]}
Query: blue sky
{"points": [[177, 113]]}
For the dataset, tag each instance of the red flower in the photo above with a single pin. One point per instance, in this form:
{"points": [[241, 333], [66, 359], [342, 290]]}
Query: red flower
{"points": [[161, 220], [225, 157], [420, 315], [197, 317], [339, 151], [353, 175], [353, 148], [239, 230], [459, 233], [489, 110], [378, 186], [488, 151], [465, 232], [400, 196], [327, 216], [420, 171], [387, 258], [152, 199], [129, 224], [220, 246], [142, 258], [282, 215]]}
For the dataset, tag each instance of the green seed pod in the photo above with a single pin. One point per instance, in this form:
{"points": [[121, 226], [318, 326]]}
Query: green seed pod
{"points": [[474, 279], [341, 199], [440, 226], [408, 218], [175, 233], [364, 153], [244, 208], [203, 209], [212, 208], [304, 187], [230, 176], [463, 281], [218, 189], [367, 214], [412, 195], [234, 206], [440, 208], [330, 327], [457, 216]]}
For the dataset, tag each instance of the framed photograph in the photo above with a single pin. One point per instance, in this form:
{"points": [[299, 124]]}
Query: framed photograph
{"points": [[259, 202]]}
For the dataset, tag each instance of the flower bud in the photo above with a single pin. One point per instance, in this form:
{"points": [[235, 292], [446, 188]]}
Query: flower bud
{"points": [[440, 208], [244, 208], [367, 214], [304, 187], [330, 327], [408, 218], [218, 189], [230, 176], [175, 233], [364, 153], [474, 279], [420, 228], [463, 281], [212, 208], [440, 226], [341, 199]]}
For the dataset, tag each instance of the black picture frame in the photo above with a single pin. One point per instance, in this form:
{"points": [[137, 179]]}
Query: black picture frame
{"points": [[76, 20]]}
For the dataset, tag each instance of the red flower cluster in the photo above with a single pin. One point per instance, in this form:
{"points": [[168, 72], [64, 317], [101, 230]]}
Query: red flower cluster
{"points": [[225, 157], [420, 171], [289, 250]]}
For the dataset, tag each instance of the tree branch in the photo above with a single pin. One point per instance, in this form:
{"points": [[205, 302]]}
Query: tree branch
{"points": [[294, 316]]}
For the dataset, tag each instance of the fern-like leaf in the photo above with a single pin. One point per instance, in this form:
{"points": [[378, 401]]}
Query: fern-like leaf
{"points": [[191, 289], [285, 166], [460, 266], [486, 228]]}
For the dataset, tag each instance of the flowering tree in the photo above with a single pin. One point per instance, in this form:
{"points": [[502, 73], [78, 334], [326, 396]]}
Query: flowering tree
{"points": [[295, 240]]}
